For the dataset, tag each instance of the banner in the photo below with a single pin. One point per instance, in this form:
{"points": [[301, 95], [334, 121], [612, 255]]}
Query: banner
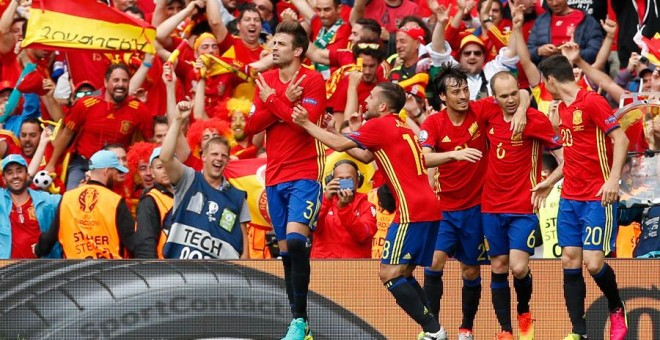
{"points": [[174, 299], [249, 175], [86, 25]]}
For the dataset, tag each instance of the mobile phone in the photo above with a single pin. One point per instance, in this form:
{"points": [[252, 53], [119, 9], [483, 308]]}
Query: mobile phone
{"points": [[346, 183]]}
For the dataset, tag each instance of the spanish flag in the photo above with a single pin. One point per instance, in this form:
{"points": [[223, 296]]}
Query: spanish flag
{"points": [[223, 65], [86, 25]]}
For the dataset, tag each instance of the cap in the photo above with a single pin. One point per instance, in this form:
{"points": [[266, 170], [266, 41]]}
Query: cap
{"points": [[648, 69], [154, 154], [106, 159], [415, 33], [471, 39], [6, 85], [13, 158]]}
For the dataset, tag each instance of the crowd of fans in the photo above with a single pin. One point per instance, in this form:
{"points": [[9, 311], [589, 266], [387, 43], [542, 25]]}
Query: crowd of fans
{"points": [[60, 109]]}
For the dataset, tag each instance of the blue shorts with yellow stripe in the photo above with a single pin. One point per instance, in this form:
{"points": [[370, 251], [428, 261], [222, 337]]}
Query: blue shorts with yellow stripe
{"points": [[294, 201], [587, 224], [410, 243], [461, 235], [504, 232]]}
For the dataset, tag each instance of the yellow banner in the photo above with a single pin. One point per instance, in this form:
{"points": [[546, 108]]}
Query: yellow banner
{"points": [[54, 29]]}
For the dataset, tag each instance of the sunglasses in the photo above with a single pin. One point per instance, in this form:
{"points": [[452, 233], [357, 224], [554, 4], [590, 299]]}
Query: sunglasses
{"points": [[368, 46], [476, 53], [81, 94]]}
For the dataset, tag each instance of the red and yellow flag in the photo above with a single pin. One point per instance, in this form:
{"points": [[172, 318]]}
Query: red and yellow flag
{"points": [[249, 175], [86, 25]]}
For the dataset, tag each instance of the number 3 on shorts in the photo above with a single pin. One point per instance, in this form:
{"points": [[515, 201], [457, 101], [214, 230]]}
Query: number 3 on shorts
{"points": [[309, 211]]}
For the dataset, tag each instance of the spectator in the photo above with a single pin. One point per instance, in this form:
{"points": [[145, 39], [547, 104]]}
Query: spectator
{"points": [[92, 221], [239, 108], [160, 129], [558, 26], [29, 137], [111, 117], [385, 205], [213, 207], [26, 213], [347, 221], [388, 13], [154, 207]]}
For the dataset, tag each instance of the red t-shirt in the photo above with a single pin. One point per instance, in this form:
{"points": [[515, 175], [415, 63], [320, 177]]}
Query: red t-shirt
{"points": [[399, 154], [338, 99], [562, 27], [340, 39], [10, 69], [25, 230], [389, 17], [460, 182], [293, 154], [584, 127], [514, 163], [344, 232], [99, 123]]}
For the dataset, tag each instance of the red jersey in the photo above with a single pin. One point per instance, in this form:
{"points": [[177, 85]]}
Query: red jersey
{"points": [[98, 123], [460, 182], [399, 154], [514, 163], [337, 102], [344, 232], [10, 69], [25, 230], [293, 154], [389, 17], [563, 26], [584, 127]]}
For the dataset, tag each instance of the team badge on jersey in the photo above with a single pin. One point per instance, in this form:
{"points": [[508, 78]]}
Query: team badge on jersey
{"points": [[577, 117], [423, 136], [125, 127]]}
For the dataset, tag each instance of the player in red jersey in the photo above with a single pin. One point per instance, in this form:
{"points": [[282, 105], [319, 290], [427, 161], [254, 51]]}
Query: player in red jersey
{"points": [[595, 151], [509, 221], [411, 237], [295, 160]]}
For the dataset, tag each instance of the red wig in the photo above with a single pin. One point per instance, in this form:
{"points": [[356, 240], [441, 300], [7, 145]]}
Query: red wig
{"points": [[197, 130], [138, 152]]}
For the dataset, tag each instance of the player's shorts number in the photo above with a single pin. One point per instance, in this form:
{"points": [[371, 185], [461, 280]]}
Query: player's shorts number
{"points": [[594, 236], [531, 240], [386, 250], [482, 253], [309, 211]]}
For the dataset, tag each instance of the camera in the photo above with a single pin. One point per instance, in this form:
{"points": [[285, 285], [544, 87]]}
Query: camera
{"points": [[346, 183], [644, 60]]}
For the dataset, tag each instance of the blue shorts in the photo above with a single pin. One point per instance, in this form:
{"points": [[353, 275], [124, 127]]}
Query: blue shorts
{"points": [[504, 232], [295, 201], [587, 224], [461, 235], [410, 243]]}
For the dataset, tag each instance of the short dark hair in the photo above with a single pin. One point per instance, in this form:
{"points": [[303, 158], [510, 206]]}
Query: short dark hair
{"points": [[413, 18], [134, 10], [114, 146], [386, 199], [370, 25], [113, 67], [160, 120], [216, 140], [393, 95], [201, 27], [498, 75], [248, 7], [377, 53], [558, 67], [297, 32], [32, 121], [449, 73]]}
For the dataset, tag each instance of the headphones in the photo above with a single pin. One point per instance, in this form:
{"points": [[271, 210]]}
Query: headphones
{"points": [[331, 175]]}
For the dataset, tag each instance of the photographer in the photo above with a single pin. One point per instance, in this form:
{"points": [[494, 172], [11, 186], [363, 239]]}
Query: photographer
{"points": [[347, 221]]}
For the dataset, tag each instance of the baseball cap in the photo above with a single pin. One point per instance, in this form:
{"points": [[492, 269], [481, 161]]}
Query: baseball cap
{"points": [[13, 158], [106, 159], [471, 39], [154, 154], [6, 85]]}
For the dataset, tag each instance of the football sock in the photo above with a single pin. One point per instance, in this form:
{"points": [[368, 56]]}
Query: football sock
{"points": [[575, 292], [501, 296], [409, 301], [434, 288], [471, 294], [523, 289], [606, 281], [286, 261], [300, 272]]}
